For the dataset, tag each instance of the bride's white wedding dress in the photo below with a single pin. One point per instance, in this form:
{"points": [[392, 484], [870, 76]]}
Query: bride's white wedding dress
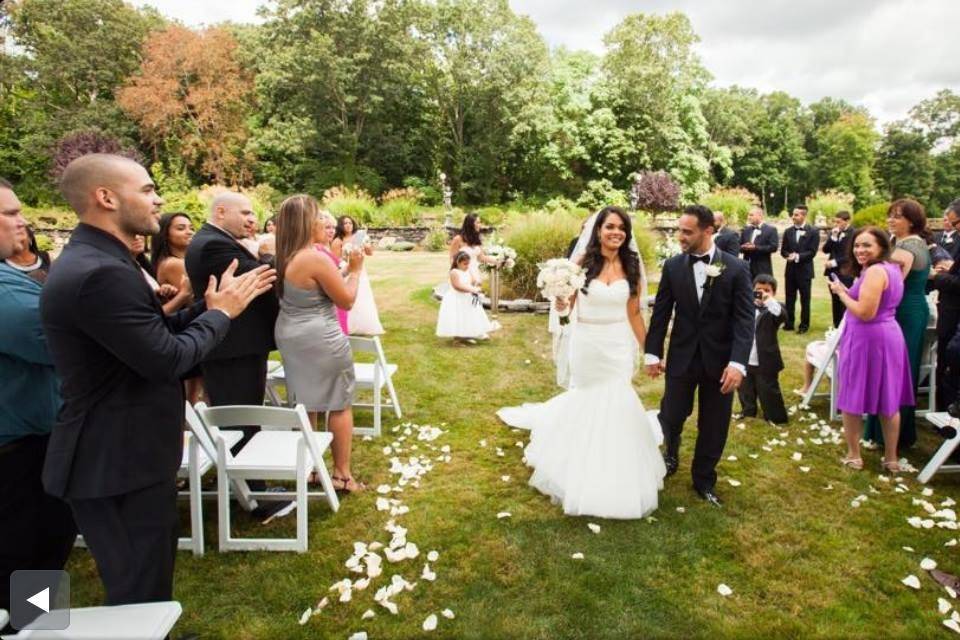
{"points": [[593, 448]]}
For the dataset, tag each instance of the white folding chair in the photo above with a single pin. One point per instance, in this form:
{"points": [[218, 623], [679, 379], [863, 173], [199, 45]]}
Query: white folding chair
{"points": [[144, 621], [938, 462], [279, 451], [374, 376], [199, 454], [827, 366], [928, 372], [276, 378]]}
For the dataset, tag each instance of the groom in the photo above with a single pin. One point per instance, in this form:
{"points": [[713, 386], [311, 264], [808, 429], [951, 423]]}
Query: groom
{"points": [[709, 295]]}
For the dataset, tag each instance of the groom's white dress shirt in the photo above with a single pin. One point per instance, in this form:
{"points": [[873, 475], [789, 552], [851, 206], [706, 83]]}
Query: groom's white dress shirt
{"points": [[700, 278]]}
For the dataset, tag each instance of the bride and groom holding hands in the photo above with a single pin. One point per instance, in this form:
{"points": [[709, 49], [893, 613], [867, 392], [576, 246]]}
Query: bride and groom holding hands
{"points": [[594, 448]]}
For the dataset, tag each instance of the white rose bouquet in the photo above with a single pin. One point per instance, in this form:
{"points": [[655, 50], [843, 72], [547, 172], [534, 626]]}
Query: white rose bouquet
{"points": [[503, 257], [560, 278], [667, 249]]}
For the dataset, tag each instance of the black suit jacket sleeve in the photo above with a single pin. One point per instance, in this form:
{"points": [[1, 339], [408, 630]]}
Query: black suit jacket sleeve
{"points": [[743, 317], [181, 319], [768, 240], [135, 332], [947, 283], [808, 247], [662, 310], [786, 243]]}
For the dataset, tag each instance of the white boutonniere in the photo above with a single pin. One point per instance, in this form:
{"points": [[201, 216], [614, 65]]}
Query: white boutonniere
{"points": [[714, 270], [800, 233]]}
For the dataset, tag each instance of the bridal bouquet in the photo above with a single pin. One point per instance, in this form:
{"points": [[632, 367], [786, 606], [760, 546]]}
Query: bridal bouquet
{"points": [[504, 257], [560, 278]]}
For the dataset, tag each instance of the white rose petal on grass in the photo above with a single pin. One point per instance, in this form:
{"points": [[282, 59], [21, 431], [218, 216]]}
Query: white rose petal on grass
{"points": [[503, 514], [753, 455], [911, 581], [448, 614], [428, 574], [430, 623], [681, 510], [368, 614], [731, 458], [359, 635], [797, 456], [384, 489], [952, 625], [943, 606], [950, 543], [433, 556], [910, 549], [927, 492], [505, 478], [305, 616], [593, 527], [724, 590], [805, 469], [928, 564], [577, 556], [733, 483], [950, 592]]}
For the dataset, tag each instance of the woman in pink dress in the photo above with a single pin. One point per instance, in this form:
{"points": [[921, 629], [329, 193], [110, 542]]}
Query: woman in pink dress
{"points": [[874, 371], [322, 243]]}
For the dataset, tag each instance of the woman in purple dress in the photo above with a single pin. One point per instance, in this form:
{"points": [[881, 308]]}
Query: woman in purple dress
{"points": [[874, 372]]}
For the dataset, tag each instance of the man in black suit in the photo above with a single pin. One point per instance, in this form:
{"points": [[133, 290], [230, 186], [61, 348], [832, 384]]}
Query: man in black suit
{"points": [[946, 280], [837, 248], [116, 447], [758, 241], [800, 244], [765, 363], [235, 372], [948, 238], [707, 292], [726, 238]]}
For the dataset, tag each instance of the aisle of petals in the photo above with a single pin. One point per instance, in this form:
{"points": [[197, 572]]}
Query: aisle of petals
{"points": [[411, 455]]}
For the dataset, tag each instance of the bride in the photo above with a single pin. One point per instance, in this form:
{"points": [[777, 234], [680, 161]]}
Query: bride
{"points": [[592, 448]]}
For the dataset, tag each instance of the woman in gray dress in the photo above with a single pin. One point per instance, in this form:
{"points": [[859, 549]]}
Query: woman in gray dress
{"points": [[316, 354]]}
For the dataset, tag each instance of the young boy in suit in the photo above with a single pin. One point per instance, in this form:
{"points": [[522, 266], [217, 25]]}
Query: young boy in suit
{"points": [[765, 364]]}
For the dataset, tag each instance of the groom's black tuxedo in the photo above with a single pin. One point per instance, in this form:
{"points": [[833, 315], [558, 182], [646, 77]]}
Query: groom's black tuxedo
{"points": [[708, 334]]}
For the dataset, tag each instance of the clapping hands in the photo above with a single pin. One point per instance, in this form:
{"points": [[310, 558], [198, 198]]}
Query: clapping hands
{"points": [[233, 293]]}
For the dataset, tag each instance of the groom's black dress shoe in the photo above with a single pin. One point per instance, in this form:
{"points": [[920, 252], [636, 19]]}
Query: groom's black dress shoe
{"points": [[672, 463], [710, 496]]}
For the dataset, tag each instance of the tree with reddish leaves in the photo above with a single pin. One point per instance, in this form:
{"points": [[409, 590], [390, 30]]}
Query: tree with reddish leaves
{"points": [[192, 98], [80, 143], [655, 191]]}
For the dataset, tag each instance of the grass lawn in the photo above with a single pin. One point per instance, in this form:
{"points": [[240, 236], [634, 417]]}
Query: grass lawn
{"points": [[801, 561]]}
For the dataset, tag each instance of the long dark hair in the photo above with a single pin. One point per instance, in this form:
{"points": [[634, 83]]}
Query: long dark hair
{"points": [[468, 231], [160, 241], [341, 232], [34, 248], [914, 213], [854, 268], [271, 219], [629, 260]]}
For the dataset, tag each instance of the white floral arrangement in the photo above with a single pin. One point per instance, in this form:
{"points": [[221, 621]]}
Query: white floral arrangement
{"points": [[504, 257], [350, 247], [560, 278], [667, 249]]}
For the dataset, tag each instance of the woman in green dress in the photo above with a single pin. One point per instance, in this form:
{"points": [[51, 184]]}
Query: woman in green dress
{"points": [[908, 224]]}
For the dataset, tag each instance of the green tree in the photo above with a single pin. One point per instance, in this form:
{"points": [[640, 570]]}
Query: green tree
{"points": [[904, 164], [846, 155]]}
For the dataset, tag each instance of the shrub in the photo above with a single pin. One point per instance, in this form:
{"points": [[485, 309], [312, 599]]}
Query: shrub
{"points": [[536, 237], [874, 215], [402, 246], [50, 218], [599, 194], [356, 203], [734, 202], [397, 212], [491, 216], [827, 203], [429, 193], [655, 191], [560, 203], [436, 240], [44, 242], [648, 241]]}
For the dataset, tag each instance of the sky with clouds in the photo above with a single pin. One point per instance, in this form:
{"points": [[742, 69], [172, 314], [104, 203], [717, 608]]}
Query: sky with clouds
{"points": [[886, 55]]}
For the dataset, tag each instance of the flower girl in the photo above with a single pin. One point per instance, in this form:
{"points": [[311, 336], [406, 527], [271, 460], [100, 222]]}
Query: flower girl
{"points": [[461, 312]]}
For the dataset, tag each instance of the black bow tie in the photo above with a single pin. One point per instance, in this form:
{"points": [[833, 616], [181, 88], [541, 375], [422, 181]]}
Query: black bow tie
{"points": [[705, 259]]}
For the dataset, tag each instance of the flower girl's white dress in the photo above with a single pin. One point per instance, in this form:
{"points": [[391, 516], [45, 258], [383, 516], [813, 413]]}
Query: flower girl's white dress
{"points": [[459, 316], [593, 448]]}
